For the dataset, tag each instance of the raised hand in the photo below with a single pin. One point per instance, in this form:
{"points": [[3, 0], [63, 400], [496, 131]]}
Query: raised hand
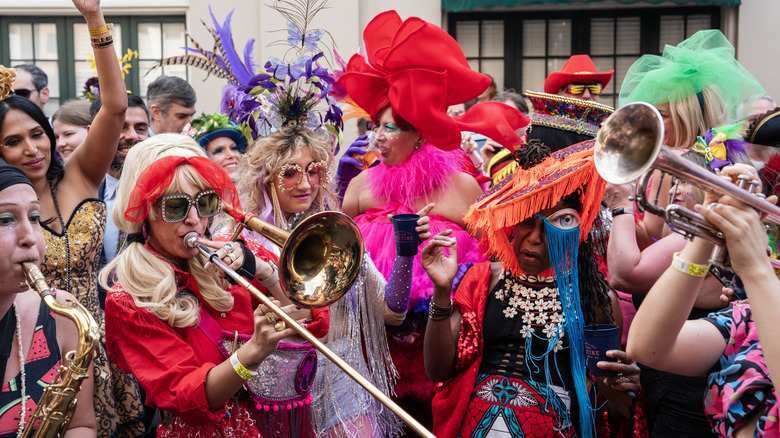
{"points": [[349, 167], [616, 196], [87, 7], [423, 227], [441, 268], [489, 150]]}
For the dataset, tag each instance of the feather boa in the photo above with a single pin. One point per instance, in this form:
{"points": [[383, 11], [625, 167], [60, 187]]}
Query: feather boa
{"points": [[426, 170]]}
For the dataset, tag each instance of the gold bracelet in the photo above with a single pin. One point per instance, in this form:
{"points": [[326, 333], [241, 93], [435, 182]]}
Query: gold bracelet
{"points": [[689, 268], [108, 43], [242, 371], [98, 40], [439, 313], [100, 30]]}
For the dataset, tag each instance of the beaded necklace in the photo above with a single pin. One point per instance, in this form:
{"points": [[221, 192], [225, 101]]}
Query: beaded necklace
{"points": [[21, 370], [65, 234], [538, 306]]}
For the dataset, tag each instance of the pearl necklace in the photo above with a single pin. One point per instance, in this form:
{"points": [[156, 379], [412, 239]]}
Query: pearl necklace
{"points": [[22, 409]]}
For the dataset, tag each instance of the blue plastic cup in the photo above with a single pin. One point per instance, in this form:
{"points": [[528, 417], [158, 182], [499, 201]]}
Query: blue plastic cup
{"points": [[406, 238], [600, 338]]}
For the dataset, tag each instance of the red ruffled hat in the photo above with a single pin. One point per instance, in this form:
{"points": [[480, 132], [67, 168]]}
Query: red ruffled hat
{"points": [[579, 68], [419, 70]]}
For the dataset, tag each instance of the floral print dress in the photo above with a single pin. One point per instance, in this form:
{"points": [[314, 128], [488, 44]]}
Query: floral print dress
{"points": [[740, 387]]}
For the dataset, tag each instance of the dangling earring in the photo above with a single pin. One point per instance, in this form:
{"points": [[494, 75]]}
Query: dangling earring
{"points": [[143, 231]]}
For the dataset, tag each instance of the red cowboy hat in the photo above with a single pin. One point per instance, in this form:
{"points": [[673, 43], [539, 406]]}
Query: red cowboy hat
{"points": [[579, 68]]}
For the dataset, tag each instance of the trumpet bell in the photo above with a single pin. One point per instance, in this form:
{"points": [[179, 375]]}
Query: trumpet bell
{"points": [[628, 142], [321, 259]]}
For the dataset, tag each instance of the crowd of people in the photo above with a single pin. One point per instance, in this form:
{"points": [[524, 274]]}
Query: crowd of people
{"points": [[478, 325]]}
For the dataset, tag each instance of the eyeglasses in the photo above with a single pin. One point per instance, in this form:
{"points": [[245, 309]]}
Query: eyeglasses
{"points": [[291, 175], [578, 89], [23, 92], [176, 207]]}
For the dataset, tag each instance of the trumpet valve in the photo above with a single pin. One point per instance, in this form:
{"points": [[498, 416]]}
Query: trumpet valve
{"points": [[719, 256], [744, 179]]}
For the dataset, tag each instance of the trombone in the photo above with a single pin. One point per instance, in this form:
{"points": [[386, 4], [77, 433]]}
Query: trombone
{"points": [[628, 146], [320, 260]]}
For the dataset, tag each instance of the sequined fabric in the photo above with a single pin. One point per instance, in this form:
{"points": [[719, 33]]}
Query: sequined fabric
{"points": [[357, 323], [117, 396], [399, 285], [239, 422]]}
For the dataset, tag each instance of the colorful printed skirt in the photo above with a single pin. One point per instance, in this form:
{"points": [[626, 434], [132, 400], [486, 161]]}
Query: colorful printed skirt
{"points": [[508, 408]]}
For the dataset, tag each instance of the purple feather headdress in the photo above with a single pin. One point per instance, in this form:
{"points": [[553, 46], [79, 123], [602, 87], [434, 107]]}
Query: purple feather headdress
{"points": [[294, 90]]}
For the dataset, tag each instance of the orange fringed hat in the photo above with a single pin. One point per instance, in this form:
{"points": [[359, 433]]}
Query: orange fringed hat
{"points": [[526, 193]]}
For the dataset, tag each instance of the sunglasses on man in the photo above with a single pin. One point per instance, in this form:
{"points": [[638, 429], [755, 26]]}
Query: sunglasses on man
{"points": [[579, 89], [23, 92]]}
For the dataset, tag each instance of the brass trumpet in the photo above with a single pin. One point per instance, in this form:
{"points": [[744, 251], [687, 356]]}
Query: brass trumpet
{"points": [[628, 146], [58, 403], [320, 260]]}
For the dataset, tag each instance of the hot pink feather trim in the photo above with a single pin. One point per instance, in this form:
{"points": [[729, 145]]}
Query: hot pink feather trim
{"points": [[426, 170]]}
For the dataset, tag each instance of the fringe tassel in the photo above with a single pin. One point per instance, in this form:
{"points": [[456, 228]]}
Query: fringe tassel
{"points": [[357, 322], [531, 191], [562, 247], [285, 421]]}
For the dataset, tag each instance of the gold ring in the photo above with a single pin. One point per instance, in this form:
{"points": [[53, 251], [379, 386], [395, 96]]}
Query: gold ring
{"points": [[270, 317], [232, 257], [279, 326]]}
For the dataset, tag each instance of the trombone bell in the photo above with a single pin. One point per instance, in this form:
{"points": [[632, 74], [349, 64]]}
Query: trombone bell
{"points": [[320, 258]]}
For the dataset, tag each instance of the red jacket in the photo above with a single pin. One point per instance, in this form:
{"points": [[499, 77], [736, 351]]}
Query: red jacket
{"points": [[171, 364]]}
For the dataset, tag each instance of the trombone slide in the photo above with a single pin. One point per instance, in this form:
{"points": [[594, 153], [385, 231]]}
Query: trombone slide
{"points": [[191, 240]]}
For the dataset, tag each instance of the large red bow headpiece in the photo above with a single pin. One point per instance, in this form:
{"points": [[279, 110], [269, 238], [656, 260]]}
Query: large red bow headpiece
{"points": [[419, 70]]}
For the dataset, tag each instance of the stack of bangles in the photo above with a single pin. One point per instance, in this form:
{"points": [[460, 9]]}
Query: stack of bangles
{"points": [[99, 42], [439, 313]]}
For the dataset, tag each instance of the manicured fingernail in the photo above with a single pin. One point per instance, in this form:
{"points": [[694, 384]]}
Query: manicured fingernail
{"points": [[207, 265]]}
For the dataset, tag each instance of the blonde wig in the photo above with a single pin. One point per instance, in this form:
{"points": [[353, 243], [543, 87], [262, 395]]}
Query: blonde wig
{"points": [[149, 279], [260, 166], [692, 119]]}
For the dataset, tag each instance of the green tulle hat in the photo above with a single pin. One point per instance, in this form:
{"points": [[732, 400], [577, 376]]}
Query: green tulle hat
{"points": [[704, 60]]}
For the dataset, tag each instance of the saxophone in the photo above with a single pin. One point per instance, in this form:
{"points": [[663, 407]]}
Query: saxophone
{"points": [[58, 403]]}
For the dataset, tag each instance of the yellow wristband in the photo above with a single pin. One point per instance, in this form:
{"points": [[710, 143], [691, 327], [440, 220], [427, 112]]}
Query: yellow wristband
{"points": [[100, 30], [689, 268], [242, 371]]}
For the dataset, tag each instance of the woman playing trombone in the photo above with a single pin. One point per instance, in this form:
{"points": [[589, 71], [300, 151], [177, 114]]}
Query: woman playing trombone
{"points": [[172, 321], [734, 347]]}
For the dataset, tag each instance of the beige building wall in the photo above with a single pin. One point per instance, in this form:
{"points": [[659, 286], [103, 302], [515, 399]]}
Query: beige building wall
{"points": [[758, 47], [752, 27]]}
